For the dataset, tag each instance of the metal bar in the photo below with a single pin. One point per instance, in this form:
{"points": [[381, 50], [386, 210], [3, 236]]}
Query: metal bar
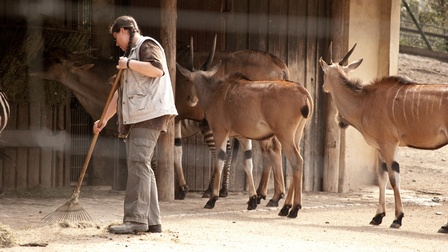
{"points": [[427, 33], [417, 24]]}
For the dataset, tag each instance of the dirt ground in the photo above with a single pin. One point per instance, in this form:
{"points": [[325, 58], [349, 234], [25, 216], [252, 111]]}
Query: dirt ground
{"points": [[327, 222]]}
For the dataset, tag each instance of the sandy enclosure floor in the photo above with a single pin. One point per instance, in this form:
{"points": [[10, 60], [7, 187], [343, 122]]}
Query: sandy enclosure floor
{"points": [[333, 222], [327, 222]]}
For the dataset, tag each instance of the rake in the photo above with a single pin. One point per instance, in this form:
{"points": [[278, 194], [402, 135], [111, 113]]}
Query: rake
{"points": [[72, 211]]}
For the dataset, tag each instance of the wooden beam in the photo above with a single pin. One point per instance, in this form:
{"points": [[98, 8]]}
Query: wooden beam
{"points": [[165, 153], [442, 56], [333, 165]]}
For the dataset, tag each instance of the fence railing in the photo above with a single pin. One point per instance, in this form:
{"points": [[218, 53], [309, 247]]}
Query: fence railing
{"points": [[414, 33]]}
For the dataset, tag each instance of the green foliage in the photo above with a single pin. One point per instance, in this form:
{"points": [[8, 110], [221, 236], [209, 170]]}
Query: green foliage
{"points": [[432, 15]]}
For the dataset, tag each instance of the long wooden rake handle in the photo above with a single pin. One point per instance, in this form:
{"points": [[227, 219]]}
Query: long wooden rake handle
{"points": [[95, 136]]}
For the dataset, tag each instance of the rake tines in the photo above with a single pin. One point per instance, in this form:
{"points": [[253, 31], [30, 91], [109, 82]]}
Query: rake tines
{"points": [[71, 210]]}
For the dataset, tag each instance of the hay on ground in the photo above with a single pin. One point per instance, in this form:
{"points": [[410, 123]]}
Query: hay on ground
{"points": [[6, 237]]}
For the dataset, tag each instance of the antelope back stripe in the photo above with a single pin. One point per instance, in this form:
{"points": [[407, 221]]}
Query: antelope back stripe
{"points": [[4, 111], [419, 102]]}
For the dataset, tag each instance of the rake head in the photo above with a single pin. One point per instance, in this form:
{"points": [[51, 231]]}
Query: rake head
{"points": [[71, 211]]}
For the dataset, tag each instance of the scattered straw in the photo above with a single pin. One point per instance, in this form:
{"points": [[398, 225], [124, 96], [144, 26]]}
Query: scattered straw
{"points": [[6, 238]]}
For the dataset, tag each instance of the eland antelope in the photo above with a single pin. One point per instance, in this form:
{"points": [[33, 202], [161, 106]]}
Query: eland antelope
{"points": [[261, 110], [255, 65], [389, 112]]}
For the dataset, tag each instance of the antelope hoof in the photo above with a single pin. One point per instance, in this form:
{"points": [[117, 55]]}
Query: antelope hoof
{"points": [[211, 203], [294, 211], [285, 210], [223, 193], [272, 203], [182, 192], [260, 197], [397, 222], [377, 219], [206, 193], [443, 229], [252, 203]]}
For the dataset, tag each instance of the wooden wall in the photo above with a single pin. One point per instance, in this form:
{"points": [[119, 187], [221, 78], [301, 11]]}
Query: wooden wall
{"points": [[36, 148], [294, 30], [38, 138]]}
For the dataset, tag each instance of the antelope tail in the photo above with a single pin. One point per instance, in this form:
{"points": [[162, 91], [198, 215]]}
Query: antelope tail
{"points": [[285, 74], [307, 110]]}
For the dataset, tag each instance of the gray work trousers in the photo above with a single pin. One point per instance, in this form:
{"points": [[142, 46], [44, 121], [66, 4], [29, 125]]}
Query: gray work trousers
{"points": [[141, 202]]}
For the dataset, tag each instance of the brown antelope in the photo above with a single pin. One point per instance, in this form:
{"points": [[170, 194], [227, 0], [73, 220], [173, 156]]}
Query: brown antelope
{"points": [[256, 65], [389, 112], [85, 77], [261, 110]]}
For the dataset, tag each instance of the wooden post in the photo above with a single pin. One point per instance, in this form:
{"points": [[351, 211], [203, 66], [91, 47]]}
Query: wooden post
{"points": [[332, 164], [165, 153]]}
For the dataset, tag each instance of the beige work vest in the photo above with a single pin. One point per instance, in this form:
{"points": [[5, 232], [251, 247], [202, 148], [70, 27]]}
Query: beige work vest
{"points": [[143, 97]]}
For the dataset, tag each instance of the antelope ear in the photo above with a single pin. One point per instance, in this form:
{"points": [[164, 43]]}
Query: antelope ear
{"points": [[86, 66], [352, 66], [214, 69], [185, 72], [323, 64]]}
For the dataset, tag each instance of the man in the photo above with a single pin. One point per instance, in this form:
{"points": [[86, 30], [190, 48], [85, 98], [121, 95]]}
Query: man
{"points": [[144, 104]]}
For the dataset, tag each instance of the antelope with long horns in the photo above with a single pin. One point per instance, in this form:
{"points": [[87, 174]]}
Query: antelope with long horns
{"points": [[389, 112], [260, 110]]}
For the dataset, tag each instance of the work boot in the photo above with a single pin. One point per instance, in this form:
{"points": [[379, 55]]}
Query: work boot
{"points": [[155, 228], [128, 228]]}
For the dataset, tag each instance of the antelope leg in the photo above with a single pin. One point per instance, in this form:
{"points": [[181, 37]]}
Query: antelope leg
{"points": [[181, 184], [248, 168], [382, 182]]}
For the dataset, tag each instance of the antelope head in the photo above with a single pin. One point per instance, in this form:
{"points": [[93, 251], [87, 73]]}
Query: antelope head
{"points": [[201, 80], [57, 62], [191, 93], [196, 77], [334, 71]]}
